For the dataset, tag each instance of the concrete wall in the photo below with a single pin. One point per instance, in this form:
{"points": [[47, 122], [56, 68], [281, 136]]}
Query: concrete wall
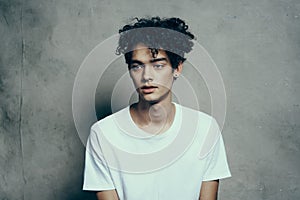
{"points": [[255, 44]]}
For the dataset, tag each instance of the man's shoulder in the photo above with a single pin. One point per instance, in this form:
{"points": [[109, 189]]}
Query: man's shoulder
{"points": [[202, 116], [109, 120]]}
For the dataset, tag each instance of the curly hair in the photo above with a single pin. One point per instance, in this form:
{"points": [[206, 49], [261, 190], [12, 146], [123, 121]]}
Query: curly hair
{"points": [[168, 34]]}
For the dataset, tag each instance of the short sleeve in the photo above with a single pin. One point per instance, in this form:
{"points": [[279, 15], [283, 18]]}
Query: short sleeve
{"points": [[97, 175], [217, 167]]}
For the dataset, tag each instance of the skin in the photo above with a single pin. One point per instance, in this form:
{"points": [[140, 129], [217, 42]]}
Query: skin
{"points": [[153, 78], [154, 111], [107, 195], [209, 190]]}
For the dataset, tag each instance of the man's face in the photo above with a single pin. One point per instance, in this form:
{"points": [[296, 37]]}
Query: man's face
{"points": [[152, 76]]}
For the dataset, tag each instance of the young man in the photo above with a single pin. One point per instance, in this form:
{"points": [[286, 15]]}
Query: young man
{"points": [[151, 149]]}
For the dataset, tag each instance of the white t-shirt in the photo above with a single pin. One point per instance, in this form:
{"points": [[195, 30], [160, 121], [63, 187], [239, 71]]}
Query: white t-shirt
{"points": [[170, 165]]}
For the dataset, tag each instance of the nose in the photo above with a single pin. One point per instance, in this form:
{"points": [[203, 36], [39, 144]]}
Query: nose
{"points": [[147, 73]]}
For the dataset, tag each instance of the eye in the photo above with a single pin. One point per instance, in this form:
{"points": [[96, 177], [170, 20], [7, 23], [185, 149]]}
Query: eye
{"points": [[158, 66], [136, 67]]}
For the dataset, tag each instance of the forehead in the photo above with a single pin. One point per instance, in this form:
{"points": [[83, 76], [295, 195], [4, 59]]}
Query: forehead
{"points": [[142, 53]]}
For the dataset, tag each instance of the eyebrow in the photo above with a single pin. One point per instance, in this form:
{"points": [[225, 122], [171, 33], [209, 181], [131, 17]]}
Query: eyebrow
{"points": [[157, 60], [151, 61]]}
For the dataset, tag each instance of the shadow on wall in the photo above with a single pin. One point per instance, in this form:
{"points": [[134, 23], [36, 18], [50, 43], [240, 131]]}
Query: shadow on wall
{"points": [[108, 82], [103, 109]]}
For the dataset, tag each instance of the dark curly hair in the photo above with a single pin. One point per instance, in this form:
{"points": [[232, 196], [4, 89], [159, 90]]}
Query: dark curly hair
{"points": [[168, 34]]}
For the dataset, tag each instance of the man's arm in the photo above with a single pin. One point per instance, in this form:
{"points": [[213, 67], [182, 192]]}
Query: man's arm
{"points": [[107, 195], [209, 190]]}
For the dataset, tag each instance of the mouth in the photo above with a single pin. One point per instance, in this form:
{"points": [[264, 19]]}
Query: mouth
{"points": [[148, 89]]}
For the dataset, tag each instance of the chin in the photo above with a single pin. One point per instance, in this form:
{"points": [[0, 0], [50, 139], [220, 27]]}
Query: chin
{"points": [[153, 98], [149, 99]]}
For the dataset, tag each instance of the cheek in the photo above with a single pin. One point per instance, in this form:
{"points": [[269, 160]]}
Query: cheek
{"points": [[167, 81], [135, 80]]}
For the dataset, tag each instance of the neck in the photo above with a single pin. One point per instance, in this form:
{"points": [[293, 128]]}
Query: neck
{"points": [[153, 117], [156, 113]]}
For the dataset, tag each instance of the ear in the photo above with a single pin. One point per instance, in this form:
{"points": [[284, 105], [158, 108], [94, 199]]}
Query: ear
{"points": [[178, 70]]}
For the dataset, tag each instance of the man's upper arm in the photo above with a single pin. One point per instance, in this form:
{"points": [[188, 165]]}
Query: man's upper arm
{"points": [[107, 195], [209, 190]]}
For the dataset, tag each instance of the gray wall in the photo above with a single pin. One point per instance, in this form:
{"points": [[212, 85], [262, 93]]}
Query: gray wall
{"points": [[255, 44]]}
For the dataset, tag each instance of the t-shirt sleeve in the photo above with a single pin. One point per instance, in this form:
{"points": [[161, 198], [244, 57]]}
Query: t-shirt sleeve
{"points": [[217, 167], [97, 175]]}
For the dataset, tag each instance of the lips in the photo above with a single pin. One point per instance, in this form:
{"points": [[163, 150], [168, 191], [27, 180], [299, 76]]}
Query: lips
{"points": [[148, 89]]}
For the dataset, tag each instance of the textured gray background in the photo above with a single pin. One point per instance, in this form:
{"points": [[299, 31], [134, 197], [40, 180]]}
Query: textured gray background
{"points": [[255, 44]]}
